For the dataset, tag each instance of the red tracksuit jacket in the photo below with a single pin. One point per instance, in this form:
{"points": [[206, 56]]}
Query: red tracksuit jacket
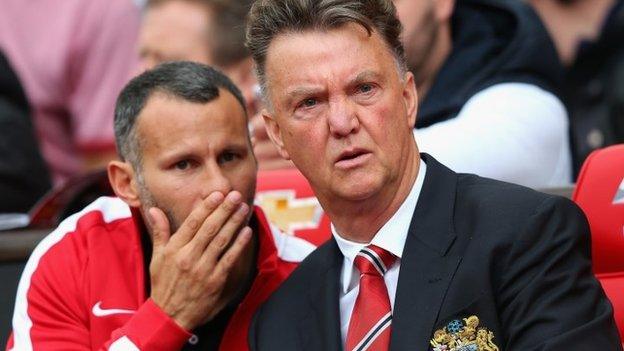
{"points": [[83, 287]]}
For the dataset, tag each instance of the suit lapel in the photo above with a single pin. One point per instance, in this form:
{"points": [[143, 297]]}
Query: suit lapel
{"points": [[320, 328], [426, 269]]}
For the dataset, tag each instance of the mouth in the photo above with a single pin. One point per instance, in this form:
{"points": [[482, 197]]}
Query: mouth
{"points": [[352, 158]]}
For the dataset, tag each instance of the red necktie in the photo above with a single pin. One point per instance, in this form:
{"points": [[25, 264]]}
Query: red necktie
{"points": [[369, 327]]}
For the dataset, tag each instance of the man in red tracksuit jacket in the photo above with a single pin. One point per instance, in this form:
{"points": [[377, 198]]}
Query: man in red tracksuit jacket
{"points": [[180, 260]]}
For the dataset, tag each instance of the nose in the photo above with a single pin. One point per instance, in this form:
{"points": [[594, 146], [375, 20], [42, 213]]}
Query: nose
{"points": [[343, 119], [214, 179]]}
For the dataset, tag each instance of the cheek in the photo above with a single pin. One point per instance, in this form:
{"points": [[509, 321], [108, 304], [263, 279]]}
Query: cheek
{"points": [[165, 186], [306, 140], [383, 123], [244, 181], [174, 193], [382, 120]]}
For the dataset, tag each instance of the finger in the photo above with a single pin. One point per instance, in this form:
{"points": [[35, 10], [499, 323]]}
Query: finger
{"points": [[215, 222], [233, 254], [215, 247], [195, 220], [159, 226]]}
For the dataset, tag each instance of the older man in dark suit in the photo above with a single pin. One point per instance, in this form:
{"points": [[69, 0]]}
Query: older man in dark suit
{"points": [[421, 257]]}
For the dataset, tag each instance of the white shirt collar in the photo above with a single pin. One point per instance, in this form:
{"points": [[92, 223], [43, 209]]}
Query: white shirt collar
{"points": [[390, 237]]}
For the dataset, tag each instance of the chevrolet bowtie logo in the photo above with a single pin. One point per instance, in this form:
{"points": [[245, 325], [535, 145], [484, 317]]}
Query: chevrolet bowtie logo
{"points": [[289, 213], [619, 195]]}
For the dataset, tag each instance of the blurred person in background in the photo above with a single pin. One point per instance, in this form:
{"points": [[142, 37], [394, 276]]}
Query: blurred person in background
{"points": [[210, 32], [589, 35], [181, 258], [24, 177], [205, 31], [72, 58], [486, 73]]}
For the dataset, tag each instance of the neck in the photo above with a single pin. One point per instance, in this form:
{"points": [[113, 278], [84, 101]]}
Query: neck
{"points": [[568, 25], [440, 51], [360, 221]]}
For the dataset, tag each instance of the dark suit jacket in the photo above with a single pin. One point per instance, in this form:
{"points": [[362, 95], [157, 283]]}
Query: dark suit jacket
{"points": [[517, 259], [24, 177]]}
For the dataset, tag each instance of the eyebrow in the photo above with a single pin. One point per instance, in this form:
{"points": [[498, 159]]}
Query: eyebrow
{"points": [[182, 152], [168, 158], [298, 92], [366, 76]]}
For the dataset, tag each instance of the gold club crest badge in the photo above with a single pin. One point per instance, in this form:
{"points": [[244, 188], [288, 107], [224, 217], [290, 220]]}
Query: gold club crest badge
{"points": [[463, 335]]}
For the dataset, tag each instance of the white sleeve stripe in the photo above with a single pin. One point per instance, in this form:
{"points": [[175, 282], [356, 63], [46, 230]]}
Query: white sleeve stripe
{"points": [[123, 344], [111, 209]]}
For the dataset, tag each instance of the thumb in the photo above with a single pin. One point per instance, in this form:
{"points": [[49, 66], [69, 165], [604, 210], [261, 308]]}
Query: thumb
{"points": [[160, 227]]}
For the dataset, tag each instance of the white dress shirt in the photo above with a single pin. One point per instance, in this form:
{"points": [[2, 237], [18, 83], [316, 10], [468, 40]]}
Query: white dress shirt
{"points": [[390, 237]]}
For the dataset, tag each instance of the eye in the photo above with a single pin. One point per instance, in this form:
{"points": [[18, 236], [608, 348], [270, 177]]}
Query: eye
{"points": [[228, 157], [365, 88], [182, 165], [307, 103]]}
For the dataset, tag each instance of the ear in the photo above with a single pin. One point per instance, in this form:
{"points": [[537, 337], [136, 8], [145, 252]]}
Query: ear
{"points": [[274, 132], [444, 10], [122, 178], [410, 98]]}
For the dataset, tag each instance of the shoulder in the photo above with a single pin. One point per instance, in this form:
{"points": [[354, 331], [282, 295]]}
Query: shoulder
{"points": [[495, 193], [518, 100], [56, 268], [472, 187], [509, 208], [70, 240]]}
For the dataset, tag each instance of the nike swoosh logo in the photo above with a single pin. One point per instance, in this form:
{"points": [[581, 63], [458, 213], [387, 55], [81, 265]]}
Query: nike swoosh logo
{"points": [[100, 312]]}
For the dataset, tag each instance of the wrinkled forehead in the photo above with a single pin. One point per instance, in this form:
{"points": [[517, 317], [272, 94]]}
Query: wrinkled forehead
{"points": [[316, 55]]}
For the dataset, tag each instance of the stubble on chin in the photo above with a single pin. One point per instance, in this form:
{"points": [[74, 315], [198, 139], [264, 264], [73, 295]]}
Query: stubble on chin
{"points": [[148, 201]]}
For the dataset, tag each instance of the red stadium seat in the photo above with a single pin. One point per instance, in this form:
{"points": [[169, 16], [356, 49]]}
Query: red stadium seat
{"points": [[288, 201], [600, 193]]}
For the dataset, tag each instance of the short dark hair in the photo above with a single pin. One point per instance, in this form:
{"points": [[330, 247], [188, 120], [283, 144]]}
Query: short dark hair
{"points": [[229, 28], [269, 18], [186, 80], [228, 25]]}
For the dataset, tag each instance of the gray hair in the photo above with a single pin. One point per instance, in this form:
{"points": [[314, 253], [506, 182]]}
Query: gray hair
{"points": [[270, 18], [189, 81]]}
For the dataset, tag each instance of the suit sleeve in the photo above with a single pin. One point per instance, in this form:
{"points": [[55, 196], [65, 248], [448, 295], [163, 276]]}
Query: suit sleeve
{"points": [[52, 310], [549, 296]]}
